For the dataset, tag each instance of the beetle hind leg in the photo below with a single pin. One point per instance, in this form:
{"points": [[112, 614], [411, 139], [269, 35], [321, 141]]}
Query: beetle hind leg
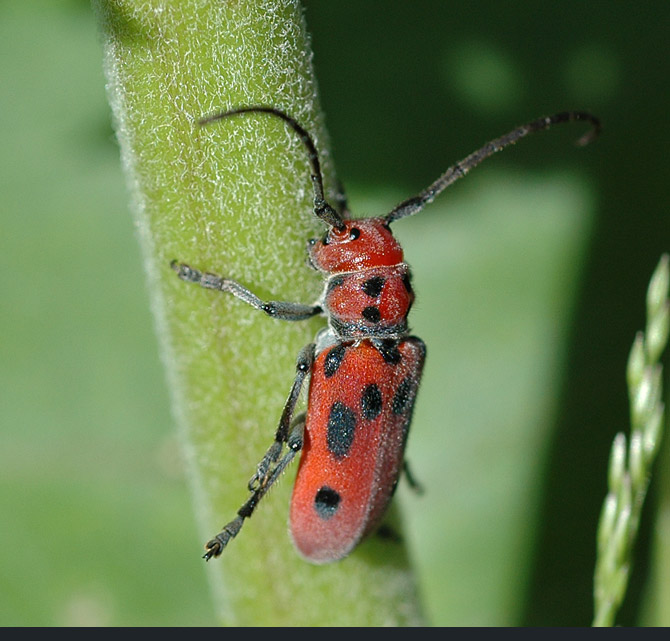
{"points": [[412, 481], [294, 443], [290, 434]]}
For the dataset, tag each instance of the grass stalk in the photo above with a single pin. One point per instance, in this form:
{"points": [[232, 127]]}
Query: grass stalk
{"points": [[631, 459]]}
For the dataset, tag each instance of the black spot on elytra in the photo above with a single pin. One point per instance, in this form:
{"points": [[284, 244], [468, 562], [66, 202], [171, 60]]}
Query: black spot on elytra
{"points": [[389, 351], [326, 502], [371, 402], [341, 428], [402, 396], [371, 314], [373, 286], [333, 360]]}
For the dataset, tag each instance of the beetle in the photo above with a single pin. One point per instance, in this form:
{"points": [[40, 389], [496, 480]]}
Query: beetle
{"points": [[363, 370]]}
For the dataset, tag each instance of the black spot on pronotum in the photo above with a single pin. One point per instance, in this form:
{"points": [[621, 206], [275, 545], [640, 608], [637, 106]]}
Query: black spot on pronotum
{"points": [[333, 360], [407, 282], [371, 314], [326, 502], [341, 428], [402, 396], [373, 286], [371, 402]]}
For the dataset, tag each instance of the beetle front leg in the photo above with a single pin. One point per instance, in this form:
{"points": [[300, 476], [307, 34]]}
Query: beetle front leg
{"points": [[283, 310]]}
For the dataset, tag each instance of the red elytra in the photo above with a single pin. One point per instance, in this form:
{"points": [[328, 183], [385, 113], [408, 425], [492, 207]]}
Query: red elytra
{"points": [[363, 369], [354, 440]]}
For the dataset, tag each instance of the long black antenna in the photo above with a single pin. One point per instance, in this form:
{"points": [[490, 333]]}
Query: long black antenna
{"points": [[321, 208], [417, 203]]}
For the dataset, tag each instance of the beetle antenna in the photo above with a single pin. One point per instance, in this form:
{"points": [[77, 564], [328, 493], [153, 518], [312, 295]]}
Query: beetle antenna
{"points": [[321, 208], [459, 170]]}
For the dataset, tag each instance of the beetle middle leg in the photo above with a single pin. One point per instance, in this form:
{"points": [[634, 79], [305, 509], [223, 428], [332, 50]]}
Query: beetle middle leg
{"points": [[303, 367]]}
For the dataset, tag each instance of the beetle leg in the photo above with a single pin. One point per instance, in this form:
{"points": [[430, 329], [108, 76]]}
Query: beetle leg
{"points": [[415, 485], [294, 443], [283, 310], [303, 367]]}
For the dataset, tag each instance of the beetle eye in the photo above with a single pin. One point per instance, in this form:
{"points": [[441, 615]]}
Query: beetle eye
{"points": [[354, 233]]}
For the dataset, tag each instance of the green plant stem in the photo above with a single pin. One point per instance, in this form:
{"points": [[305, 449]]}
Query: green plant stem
{"points": [[235, 198]]}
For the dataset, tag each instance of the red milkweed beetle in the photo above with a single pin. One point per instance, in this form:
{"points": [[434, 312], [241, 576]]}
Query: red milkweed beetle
{"points": [[364, 368]]}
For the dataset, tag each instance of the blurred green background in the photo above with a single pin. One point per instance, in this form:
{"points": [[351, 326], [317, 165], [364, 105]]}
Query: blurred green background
{"points": [[530, 274]]}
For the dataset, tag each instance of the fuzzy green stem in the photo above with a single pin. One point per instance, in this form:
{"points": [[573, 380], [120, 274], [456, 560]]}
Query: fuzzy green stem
{"points": [[235, 198], [631, 463]]}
